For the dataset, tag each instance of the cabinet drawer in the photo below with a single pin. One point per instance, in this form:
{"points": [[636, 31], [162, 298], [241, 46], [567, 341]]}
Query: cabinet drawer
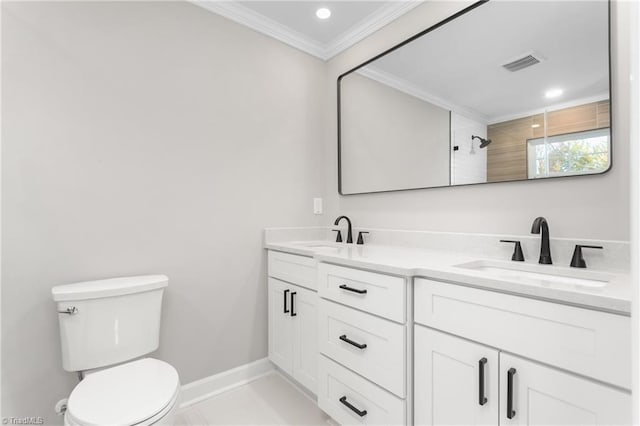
{"points": [[336, 383], [591, 343], [292, 268], [379, 294], [343, 333]]}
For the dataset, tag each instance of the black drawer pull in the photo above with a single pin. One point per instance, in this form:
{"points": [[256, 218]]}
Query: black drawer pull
{"points": [[481, 398], [510, 411], [286, 311], [355, 290], [352, 408], [293, 314], [344, 338]]}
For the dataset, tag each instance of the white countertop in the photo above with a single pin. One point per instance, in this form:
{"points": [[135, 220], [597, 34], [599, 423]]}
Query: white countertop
{"points": [[614, 297]]}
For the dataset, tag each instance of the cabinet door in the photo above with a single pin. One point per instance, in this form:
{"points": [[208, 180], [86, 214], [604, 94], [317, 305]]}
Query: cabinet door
{"points": [[539, 395], [280, 325], [455, 381], [304, 304]]}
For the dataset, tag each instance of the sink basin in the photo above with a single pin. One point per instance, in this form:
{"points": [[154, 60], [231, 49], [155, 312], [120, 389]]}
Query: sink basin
{"points": [[538, 274], [327, 247]]}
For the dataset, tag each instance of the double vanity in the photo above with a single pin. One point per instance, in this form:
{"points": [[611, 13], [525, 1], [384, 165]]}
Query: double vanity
{"points": [[400, 327], [397, 331]]}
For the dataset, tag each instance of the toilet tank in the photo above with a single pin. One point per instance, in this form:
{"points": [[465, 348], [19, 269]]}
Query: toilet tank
{"points": [[106, 322]]}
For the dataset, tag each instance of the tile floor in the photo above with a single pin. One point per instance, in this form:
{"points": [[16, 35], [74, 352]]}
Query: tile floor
{"points": [[269, 400]]}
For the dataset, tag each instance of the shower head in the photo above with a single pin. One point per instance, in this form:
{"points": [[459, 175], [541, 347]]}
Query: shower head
{"points": [[483, 142]]}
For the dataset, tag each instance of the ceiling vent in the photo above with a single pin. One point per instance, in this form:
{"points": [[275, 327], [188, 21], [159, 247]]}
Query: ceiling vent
{"points": [[521, 63]]}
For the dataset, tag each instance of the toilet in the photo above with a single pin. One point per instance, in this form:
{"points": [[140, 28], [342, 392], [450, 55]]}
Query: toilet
{"points": [[106, 327]]}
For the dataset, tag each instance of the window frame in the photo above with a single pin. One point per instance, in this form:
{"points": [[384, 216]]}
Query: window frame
{"points": [[564, 137]]}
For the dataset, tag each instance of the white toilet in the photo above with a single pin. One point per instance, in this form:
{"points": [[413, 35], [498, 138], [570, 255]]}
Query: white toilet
{"points": [[104, 326]]}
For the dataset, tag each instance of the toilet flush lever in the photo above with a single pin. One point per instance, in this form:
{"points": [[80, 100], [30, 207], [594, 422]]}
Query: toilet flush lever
{"points": [[72, 310]]}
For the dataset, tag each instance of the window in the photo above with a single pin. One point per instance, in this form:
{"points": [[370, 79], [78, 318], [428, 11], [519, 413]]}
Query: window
{"points": [[569, 154]]}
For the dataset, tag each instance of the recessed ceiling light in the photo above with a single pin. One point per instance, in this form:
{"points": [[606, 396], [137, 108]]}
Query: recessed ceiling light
{"points": [[323, 13], [535, 126], [553, 93]]}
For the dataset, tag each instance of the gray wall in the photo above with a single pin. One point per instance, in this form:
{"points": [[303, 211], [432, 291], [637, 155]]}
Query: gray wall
{"points": [[390, 139], [581, 207], [147, 138]]}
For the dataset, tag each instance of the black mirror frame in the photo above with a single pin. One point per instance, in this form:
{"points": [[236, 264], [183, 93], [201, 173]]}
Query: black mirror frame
{"points": [[428, 30]]}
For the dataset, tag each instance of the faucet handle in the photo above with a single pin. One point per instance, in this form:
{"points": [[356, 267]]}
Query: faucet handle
{"points": [[338, 236], [517, 255], [360, 239], [577, 261]]}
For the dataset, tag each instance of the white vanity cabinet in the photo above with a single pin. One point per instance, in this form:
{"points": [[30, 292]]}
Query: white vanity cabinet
{"points": [[280, 325], [455, 380], [377, 348], [553, 364], [364, 371], [293, 319], [299, 270], [542, 395]]}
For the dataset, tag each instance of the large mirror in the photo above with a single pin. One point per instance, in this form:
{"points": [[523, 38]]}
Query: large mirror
{"points": [[502, 91]]}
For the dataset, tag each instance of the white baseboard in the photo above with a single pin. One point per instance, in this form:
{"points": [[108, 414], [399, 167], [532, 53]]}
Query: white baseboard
{"points": [[202, 389], [299, 387]]}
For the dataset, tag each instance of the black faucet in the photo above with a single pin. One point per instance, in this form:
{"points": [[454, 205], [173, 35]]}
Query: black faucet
{"points": [[577, 261], [349, 233], [545, 251]]}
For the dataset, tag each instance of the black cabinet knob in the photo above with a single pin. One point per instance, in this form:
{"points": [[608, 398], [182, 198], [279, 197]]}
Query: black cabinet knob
{"points": [[482, 399], [351, 407], [344, 338], [510, 411], [293, 314]]}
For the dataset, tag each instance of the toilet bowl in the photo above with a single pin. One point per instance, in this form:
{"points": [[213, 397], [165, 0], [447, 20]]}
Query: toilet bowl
{"points": [[142, 392]]}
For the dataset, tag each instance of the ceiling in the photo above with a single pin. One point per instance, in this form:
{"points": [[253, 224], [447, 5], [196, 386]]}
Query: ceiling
{"points": [[459, 65], [294, 22]]}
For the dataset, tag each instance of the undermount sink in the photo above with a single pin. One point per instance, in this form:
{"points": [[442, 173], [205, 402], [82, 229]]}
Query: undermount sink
{"points": [[538, 274], [320, 246]]}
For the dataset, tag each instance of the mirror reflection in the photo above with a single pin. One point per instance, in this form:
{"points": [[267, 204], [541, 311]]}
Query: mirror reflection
{"points": [[506, 91]]}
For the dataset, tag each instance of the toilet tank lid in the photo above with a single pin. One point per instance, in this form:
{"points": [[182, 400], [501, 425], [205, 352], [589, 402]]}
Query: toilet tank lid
{"points": [[108, 288]]}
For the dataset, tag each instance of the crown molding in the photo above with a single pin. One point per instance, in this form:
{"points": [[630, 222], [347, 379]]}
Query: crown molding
{"points": [[258, 22], [370, 25], [554, 107], [243, 15], [411, 89]]}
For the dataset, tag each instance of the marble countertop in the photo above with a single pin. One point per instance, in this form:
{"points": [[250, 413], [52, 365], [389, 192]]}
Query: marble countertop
{"points": [[614, 296]]}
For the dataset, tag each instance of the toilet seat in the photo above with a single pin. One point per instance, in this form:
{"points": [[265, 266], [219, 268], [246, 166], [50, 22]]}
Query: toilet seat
{"points": [[136, 393]]}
